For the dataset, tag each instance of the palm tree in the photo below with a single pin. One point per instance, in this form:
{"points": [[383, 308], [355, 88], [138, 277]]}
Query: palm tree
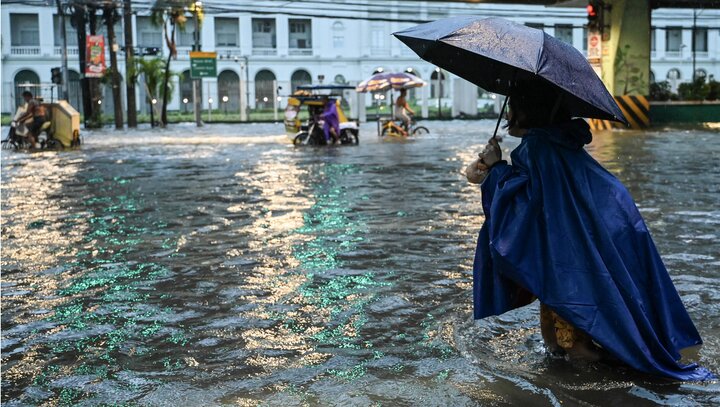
{"points": [[170, 14], [153, 73]]}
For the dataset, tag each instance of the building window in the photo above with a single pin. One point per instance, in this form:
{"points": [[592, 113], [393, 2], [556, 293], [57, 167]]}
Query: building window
{"points": [[340, 80], [701, 40], [652, 40], [298, 78], [263, 33], [673, 74], [24, 31], [564, 33], [673, 39], [227, 32], [700, 73], [186, 36], [72, 40], [119, 32], [300, 33], [149, 35], [264, 91]]}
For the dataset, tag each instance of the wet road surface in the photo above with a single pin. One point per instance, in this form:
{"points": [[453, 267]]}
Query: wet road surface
{"points": [[226, 267]]}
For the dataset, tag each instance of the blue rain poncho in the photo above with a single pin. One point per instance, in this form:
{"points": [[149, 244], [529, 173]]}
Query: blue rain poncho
{"points": [[561, 228]]}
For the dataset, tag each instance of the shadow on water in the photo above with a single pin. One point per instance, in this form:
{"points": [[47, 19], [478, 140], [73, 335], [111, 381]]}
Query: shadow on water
{"points": [[227, 267]]}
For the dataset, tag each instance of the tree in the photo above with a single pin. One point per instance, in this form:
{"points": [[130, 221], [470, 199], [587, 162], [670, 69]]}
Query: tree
{"points": [[170, 14], [153, 72], [110, 16]]}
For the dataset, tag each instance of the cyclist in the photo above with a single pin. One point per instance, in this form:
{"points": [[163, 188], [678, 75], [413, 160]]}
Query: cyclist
{"points": [[402, 108]]}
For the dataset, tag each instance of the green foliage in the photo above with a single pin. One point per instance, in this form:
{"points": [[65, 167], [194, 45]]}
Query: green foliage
{"points": [[153, 73], [660, 91], [695, 90], [713, 89], [628, 74]]}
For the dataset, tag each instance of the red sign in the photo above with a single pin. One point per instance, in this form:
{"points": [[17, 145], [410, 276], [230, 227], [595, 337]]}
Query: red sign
{"points": [[94, 56], [594, 45]]}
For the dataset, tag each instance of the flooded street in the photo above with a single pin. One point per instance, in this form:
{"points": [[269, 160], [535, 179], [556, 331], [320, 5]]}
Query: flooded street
{"points": [[226, 267]]}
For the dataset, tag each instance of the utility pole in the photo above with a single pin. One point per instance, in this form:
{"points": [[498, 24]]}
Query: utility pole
{"points": [[63, 94], [197, 103], [129, 65], [694, 43]]}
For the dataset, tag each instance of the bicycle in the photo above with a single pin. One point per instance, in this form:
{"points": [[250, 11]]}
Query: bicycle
{"points": [[394, 128]]}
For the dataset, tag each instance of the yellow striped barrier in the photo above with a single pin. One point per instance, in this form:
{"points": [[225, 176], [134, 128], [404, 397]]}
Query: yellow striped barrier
{"points": [[636, 110]]}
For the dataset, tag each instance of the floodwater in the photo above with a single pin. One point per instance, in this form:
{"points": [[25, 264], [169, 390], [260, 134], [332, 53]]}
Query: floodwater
{"points": [[226, 267]]}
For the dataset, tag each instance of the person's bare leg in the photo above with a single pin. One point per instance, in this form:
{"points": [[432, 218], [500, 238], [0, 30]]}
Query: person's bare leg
{"points": [[547, 329]]}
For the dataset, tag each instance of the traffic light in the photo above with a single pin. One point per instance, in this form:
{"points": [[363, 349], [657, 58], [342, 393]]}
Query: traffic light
{"points": [[594, 14], [56, 76]]}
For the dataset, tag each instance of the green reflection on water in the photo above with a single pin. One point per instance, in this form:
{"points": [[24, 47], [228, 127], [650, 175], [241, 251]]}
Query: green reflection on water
{"points": [[108, 323], [339, 300]]}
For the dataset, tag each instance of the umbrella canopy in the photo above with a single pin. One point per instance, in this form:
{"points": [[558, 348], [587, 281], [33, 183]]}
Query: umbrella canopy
{"points": [[383, 81], [494, 53]]}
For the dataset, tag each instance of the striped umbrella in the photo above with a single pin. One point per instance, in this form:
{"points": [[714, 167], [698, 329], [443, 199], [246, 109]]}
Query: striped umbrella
{"points": [[383, 81]]}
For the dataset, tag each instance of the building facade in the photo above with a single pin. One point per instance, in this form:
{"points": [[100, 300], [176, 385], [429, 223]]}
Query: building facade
{"points": [[272, 49]]}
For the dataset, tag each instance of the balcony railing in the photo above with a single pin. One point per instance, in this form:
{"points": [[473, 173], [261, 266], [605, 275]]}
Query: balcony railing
{"points": [[22, 50], [380, 51], [70, 51], [300, 51], [673, 54], [264, 51]]}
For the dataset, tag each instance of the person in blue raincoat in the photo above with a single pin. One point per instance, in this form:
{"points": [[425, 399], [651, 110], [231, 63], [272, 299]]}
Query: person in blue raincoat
{"points": [[560, 228]]}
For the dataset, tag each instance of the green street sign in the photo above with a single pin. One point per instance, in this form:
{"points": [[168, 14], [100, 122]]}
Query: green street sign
{"points": [[203, 64]]}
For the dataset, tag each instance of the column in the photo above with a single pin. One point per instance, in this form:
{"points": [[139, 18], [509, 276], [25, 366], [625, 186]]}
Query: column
{"points": [[282, 33], [629, 22]]}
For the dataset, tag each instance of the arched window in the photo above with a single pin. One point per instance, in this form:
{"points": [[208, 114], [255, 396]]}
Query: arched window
{"points": [[700, 73], [229, 86], [186, 88], [338, 34], [264, 91], [25, 80], [340, 80], [379, 69], [673, 74], [652, 77], [299, 77], [437, 83]]}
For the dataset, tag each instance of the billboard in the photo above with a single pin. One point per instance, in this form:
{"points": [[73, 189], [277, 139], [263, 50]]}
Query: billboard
{"points": [[94, 56]]}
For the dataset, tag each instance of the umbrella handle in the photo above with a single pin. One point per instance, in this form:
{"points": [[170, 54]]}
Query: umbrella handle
{"points": [[497, 125]]}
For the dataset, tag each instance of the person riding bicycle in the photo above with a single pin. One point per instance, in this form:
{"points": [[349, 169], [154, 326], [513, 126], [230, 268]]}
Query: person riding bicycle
{"points": [[402, 108], [37, 111]]}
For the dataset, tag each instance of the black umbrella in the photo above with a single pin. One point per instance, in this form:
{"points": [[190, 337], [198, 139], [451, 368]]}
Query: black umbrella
{"points": [[494, 53]]}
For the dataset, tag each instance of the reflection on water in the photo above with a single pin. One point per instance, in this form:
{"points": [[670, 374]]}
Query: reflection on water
{"points": [[227, 267]]}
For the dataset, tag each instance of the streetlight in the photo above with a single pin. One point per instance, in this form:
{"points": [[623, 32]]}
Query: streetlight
{"points": [[440, 92], [225, 101]]}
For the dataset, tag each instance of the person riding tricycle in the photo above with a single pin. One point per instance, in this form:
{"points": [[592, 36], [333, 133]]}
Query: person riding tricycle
{"points": [[326, 122]]}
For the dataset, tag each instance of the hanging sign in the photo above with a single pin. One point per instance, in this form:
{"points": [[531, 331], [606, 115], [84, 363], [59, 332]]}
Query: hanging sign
{"points": [[94, 56]]}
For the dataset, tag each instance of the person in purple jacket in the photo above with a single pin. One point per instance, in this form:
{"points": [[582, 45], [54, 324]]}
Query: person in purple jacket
{"points": [[331, 128]]}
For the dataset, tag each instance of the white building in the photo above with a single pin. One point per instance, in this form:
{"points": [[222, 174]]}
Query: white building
{"points": [[287, 44]]}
